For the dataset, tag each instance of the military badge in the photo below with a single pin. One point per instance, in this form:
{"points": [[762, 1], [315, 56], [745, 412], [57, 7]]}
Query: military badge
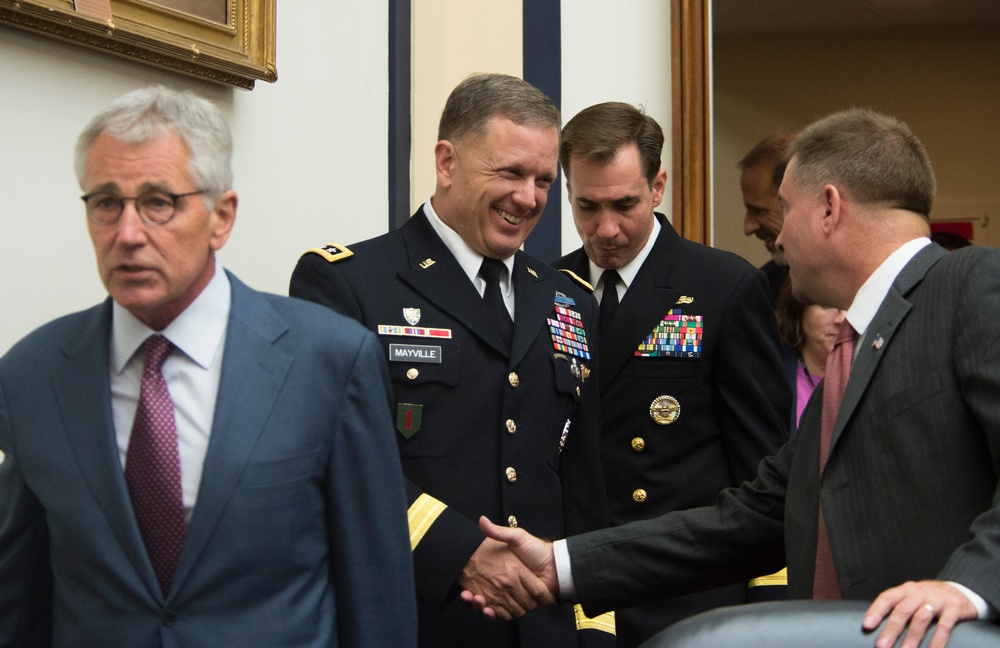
{"points": [[676, 336], [684, 299], [567, 333], [411, 315], [664, 410], [408, 418], [563, 300]]}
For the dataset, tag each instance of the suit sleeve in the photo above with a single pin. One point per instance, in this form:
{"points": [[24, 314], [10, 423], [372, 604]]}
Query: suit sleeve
{"points": [[754, 395], [25, 593], [976, 563], [739, 537], [370, 563], [442, 540]]}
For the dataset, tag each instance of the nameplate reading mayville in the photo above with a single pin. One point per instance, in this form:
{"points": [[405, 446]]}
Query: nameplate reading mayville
{"points": [[414, 353]]}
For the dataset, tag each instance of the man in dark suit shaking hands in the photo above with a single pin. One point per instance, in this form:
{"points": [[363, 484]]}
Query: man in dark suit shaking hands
{"points": [[894, 498], [191, 462]]}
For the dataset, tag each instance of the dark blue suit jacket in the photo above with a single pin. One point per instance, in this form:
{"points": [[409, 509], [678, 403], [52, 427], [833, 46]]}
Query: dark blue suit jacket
{"points": [[299, 532]]}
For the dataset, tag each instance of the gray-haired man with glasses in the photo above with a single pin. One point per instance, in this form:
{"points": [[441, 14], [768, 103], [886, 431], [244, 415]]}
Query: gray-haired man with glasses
{"points": [[189, 463]]}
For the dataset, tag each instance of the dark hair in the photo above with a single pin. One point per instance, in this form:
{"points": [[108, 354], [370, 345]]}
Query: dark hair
{"points": [[481, 97], [873, 157], [789, 312], [598, 132], [771, 151]]}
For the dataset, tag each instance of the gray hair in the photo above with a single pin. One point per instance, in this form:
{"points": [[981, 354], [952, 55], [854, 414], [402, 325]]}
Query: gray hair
{"points": [[145, 114], [481, 97], [876, 158]]}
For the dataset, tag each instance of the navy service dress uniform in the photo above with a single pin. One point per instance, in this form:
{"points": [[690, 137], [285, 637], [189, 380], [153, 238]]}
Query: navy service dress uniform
{"points": [[693, 395], [482, 429]]}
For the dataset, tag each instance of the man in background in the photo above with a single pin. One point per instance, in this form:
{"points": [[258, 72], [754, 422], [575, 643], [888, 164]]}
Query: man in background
{"points": [[761, 170], [493, 366], [191, 463], [692, 391]]}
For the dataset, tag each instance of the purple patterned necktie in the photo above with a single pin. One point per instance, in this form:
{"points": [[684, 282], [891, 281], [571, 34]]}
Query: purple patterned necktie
{"points": [[153, 467], [838, 369]]}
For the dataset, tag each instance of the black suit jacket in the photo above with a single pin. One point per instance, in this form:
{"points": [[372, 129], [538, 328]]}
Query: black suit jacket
{"points": [[910, 487], [733, 396], [512, 434]]}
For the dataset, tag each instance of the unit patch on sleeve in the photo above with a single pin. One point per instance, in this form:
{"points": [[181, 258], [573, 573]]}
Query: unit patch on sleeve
{"points": [[676, 336]]}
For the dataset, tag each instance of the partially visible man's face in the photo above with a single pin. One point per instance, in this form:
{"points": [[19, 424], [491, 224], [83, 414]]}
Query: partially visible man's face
{"points": [[154, 271], [493, 189], [802, 241], [763, 217], [613, 206]]}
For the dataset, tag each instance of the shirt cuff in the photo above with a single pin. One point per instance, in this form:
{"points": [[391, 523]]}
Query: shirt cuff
{"points": [[983, 609], [564, 572]]}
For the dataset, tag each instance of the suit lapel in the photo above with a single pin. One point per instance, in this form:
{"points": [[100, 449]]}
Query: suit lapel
{"points": [[435, 274], [534, 299], [879, 335], [82, 391], [253, 372], [645, 303]]}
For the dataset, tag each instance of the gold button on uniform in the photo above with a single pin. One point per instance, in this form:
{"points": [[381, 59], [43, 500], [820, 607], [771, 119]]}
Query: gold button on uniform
{"points": [[513, 379], [412, 373], [511, 474], [578, 390], [511, 426], [512, 522], [638, 444], [639, 495]]}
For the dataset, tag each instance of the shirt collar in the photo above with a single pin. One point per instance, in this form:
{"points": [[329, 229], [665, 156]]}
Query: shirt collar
{"points": [[469, 259], [872, 293], [198, 331], [628, 271]]}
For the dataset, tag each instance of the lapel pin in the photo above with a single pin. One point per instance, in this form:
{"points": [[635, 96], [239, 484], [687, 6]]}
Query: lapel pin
{"points": [[533, 273], [684, 299], [426, 263], [877, 343]]}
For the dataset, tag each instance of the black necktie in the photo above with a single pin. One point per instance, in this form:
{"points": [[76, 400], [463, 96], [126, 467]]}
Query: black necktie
{"points": [[609, 300], [490, 272]]}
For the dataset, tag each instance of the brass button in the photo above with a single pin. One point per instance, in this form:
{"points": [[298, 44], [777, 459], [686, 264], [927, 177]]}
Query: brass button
{"points": [[513, 379], [578, 390], [511, 474], [638, 444], [412, 373], [511, 426], [512, 522], [639, 495]]}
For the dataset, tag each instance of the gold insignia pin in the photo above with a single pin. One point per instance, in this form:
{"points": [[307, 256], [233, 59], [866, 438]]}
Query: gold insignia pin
{"points": [[584, 372], [684, 299], [533, 273], [426, 263], [664, 410]]}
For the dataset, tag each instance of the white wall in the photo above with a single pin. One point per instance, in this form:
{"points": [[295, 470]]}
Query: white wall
{"points": [[616, 52], [310, 160]]}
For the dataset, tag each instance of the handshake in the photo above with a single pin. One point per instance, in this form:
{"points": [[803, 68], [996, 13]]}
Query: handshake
{"points": [[510, 574]]}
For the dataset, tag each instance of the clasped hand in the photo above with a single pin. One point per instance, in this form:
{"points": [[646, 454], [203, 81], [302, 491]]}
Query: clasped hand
{"points": [[510, 574]]}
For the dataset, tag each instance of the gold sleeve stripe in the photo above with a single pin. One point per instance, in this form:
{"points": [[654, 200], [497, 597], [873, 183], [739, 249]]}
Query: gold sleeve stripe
{"points": [[602, 622], [332, 252], [575, 277], [777, 578], [421, 516]]}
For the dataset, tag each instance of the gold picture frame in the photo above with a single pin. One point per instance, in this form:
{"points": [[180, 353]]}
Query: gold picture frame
{"points": [[226, 41]]}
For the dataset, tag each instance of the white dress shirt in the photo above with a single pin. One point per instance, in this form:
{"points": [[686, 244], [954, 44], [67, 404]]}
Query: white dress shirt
{"points": [[627, 272], [191, 371], [470, 260]]}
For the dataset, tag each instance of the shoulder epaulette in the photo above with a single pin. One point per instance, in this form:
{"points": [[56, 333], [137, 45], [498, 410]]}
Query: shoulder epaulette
{"points": [[575, 277], [332, 252]]}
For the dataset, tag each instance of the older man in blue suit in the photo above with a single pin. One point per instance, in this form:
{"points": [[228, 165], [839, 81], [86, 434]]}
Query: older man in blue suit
{"points": [[245, 490]]}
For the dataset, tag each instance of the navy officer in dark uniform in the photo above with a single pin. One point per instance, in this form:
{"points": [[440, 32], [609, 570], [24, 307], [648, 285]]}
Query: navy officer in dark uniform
{"points": [[493, 365], [692, 390]]}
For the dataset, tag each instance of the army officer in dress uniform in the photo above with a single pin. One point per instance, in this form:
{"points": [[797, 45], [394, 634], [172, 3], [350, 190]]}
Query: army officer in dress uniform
{"points": [[692, 389], [492, 361]]}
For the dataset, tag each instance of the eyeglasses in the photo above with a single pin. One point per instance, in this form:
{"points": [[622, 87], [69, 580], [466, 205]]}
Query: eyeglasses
{"points": [[154, 207]]}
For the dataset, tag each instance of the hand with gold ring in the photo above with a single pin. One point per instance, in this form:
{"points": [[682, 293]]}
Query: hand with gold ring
{"points": [[909, 608]]}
